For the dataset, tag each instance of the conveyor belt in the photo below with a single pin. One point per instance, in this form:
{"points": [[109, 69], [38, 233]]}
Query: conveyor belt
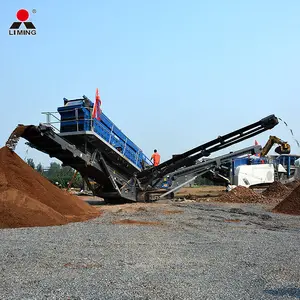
{"points": [[90, 165], [89, 155]]}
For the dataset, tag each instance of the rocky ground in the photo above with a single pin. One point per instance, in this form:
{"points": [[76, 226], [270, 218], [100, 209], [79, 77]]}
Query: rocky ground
{"points": [[179, 250]]}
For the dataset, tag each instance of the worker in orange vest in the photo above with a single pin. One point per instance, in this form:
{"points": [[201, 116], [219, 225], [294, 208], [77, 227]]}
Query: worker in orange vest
{"points": [[156, 158]]}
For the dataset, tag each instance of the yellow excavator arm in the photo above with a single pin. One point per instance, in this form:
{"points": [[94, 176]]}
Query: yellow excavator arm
{"points": [[283, 148]]}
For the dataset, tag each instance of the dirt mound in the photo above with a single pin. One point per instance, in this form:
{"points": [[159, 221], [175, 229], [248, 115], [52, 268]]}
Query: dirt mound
{"points": [[291, 204], [29, 199], [241, 194], [292, 185], [276, 190], [19, 210]]}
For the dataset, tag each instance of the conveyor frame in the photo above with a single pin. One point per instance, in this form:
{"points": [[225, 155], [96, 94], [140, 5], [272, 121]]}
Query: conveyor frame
{"points": [[113, 182]]}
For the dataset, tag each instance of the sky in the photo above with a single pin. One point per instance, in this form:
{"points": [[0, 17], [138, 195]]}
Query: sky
{"points": [[171, 74]]}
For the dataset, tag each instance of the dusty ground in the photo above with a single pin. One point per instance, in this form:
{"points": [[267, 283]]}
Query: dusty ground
{"points": [[203, 191], [179, 250]]}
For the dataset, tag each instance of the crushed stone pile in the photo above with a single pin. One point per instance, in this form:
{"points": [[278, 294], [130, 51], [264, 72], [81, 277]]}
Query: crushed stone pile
{"points": [[276, 190], [291, 204], [28, 199], [241, 194]]}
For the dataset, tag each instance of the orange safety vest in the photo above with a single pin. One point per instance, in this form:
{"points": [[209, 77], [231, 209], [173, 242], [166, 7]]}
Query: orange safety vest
{"points": [[156, 159]]}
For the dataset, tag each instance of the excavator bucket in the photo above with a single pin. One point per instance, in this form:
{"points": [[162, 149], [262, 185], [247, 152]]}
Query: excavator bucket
{"points": [[282, 150]]}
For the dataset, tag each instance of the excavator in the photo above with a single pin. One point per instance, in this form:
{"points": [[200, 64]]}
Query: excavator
{"points": [[260, 175], [282, 148]]}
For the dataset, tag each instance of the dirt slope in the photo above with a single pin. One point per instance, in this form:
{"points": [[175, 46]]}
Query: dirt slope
{"points": [[43, 203], [276, 190], [291, 204], [241, 194]]}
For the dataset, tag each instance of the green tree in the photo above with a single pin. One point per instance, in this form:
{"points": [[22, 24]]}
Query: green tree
{"points": [[203, 181], [40, 168], [31, 163], [62, 175], [78, 181], [52, 174], [53, 169], [65, 175]]}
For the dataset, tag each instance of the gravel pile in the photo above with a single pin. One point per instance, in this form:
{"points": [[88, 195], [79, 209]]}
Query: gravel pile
{"points": [[196, 254]]}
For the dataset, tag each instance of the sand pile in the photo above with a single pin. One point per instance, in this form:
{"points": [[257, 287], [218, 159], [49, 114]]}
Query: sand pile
{"points": [[276, 190], [241, 194], [291, 204], [28, 199]]}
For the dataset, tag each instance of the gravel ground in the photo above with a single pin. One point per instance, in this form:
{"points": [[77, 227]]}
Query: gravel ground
{"points": [[200, 251]]}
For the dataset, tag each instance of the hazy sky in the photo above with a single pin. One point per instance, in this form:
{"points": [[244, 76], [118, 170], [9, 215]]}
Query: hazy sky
{"points": [[171, 74]]}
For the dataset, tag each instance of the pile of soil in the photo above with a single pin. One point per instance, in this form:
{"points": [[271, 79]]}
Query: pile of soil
{"points": [[28, 199], [291, 204], [241, 194], [292, 185], [276, 190]]}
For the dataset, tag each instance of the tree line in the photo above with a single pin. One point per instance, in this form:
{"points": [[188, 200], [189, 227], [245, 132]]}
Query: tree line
{"points": [[58, 174], [203, 181], [63, 175]]}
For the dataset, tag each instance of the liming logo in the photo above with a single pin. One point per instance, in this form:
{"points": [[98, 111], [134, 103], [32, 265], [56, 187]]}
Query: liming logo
{"points": [[22, 16]]}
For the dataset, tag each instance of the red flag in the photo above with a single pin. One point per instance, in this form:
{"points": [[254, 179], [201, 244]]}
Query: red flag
{"points": [[96, 109], [256, 143]]}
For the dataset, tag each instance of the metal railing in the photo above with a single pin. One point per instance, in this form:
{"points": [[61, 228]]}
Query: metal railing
{"points": [[50, 115], [101, 130]]}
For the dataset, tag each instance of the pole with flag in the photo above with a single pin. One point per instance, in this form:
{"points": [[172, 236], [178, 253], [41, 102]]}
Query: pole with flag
{"points": [[256, 144], [97, 107]]}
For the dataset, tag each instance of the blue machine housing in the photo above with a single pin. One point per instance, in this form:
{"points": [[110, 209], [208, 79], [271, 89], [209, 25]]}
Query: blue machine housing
{"points": [[287, 161], [240, 161], [76, 116]]}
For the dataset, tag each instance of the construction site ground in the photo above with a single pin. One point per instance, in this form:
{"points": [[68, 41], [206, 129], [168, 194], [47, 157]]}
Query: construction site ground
{"points": [[166, 250]]}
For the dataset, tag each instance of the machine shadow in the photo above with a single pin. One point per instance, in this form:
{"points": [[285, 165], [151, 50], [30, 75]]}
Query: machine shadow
{"points": [[286, 291]]}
